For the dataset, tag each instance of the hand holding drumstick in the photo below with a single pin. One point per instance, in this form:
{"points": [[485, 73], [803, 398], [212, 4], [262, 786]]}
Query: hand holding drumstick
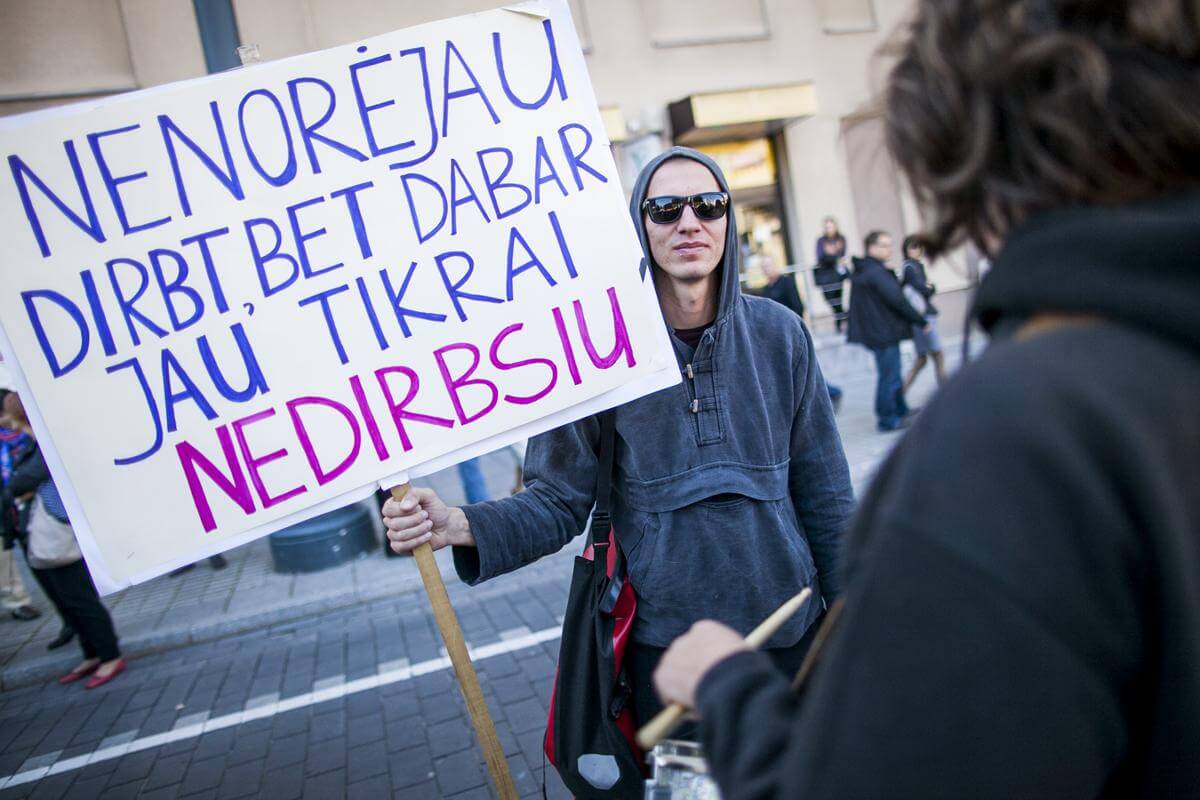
{"points": [[692, 655]]}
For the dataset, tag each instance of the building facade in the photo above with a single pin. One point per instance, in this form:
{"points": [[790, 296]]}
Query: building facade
{"points": [[779, 92]]}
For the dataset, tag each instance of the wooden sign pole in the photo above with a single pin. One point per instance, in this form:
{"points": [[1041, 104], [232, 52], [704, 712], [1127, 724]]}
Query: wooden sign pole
{"points": [[464, 670], [447, 622]]}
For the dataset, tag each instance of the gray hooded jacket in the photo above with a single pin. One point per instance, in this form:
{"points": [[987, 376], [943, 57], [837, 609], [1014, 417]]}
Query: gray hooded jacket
{"points": [[722, 513]]}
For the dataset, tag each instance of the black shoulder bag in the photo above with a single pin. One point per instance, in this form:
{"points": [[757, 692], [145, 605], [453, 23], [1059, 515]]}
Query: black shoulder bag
{"points": [[590, 729]]}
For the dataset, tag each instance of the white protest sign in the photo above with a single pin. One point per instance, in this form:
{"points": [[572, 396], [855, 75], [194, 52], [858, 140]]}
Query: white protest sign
{"points": [[239, 301]]}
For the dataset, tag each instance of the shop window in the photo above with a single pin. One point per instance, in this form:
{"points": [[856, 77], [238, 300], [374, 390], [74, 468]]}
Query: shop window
{"points": [[751, 169]]}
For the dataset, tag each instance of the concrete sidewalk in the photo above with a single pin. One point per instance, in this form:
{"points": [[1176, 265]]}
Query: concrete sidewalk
{"points": [[203, 605]]}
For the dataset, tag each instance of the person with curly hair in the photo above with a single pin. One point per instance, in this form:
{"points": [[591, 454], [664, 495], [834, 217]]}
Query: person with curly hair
{"points": [[1021, 604]]}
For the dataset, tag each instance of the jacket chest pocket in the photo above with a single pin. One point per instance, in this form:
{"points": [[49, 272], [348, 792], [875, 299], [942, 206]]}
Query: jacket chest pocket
{"points": [[700, 380]]}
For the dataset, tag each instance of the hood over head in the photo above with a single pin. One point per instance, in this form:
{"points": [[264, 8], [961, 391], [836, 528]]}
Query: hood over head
{"points": [[1137, 264], [730, 266]]}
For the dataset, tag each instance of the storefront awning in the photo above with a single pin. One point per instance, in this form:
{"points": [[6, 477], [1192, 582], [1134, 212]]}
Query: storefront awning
{"points": [[740, 114]]}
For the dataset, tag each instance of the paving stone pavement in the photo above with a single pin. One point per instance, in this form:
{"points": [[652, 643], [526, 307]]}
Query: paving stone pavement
{"points": [[324, 707], [204, 604], [249, 684]]}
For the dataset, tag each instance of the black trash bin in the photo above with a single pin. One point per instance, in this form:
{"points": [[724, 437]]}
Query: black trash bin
{"points": [[324, 541]]}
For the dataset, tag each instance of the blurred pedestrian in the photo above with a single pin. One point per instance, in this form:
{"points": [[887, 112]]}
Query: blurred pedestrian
{"points": [[33, 513], [1022, 604], [919, 293], [517, 451], [880, 318], [14, 596], [781, 287], [830, 271], [474, 486]]}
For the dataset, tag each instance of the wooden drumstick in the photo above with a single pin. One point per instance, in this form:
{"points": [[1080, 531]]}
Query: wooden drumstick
{"points": [[669, 718]]}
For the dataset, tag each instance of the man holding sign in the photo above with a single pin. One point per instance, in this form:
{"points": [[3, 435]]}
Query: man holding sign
{"points": [[731, 489]]}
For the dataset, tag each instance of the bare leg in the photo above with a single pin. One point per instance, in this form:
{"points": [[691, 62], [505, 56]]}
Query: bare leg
{"points": [[86, 664], [107, 668], [912, 375], [939, 366]]}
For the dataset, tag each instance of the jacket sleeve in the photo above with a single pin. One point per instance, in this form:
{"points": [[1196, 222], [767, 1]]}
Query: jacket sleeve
{"points": [[818, 476], [30, 473], [915, 277], [938, 683], [746, 710], [891, 294], [560, 475]]}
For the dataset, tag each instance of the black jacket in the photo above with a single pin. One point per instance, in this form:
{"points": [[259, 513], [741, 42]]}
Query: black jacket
{"points": [[914, 276], [783, 291], [1022, 599], [879, 315], [29, 471], [828, 271]]}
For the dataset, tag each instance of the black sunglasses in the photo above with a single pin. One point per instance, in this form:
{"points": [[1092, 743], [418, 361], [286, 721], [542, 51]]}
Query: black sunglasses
{"points": [[668, 208]]}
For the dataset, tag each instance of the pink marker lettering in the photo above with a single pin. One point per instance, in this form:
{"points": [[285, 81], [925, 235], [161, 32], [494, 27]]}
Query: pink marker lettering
{"points": [[565, 340], [622, 343], [322, 475], [399, 414], [494, 354], [253, 463], [234, 485], [360, 397], [453, 385]]}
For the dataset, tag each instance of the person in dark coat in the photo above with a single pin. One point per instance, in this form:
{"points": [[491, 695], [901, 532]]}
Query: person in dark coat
{"points": [[1021, 615], [880, 318], [781, 288]]}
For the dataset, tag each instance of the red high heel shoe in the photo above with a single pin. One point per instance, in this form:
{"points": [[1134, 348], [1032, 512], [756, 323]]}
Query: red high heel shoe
{"points": [[100, 680], [77, 674]]}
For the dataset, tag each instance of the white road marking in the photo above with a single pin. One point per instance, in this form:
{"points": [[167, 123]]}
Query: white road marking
{"points": [[327, 692], [515, 633]]}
